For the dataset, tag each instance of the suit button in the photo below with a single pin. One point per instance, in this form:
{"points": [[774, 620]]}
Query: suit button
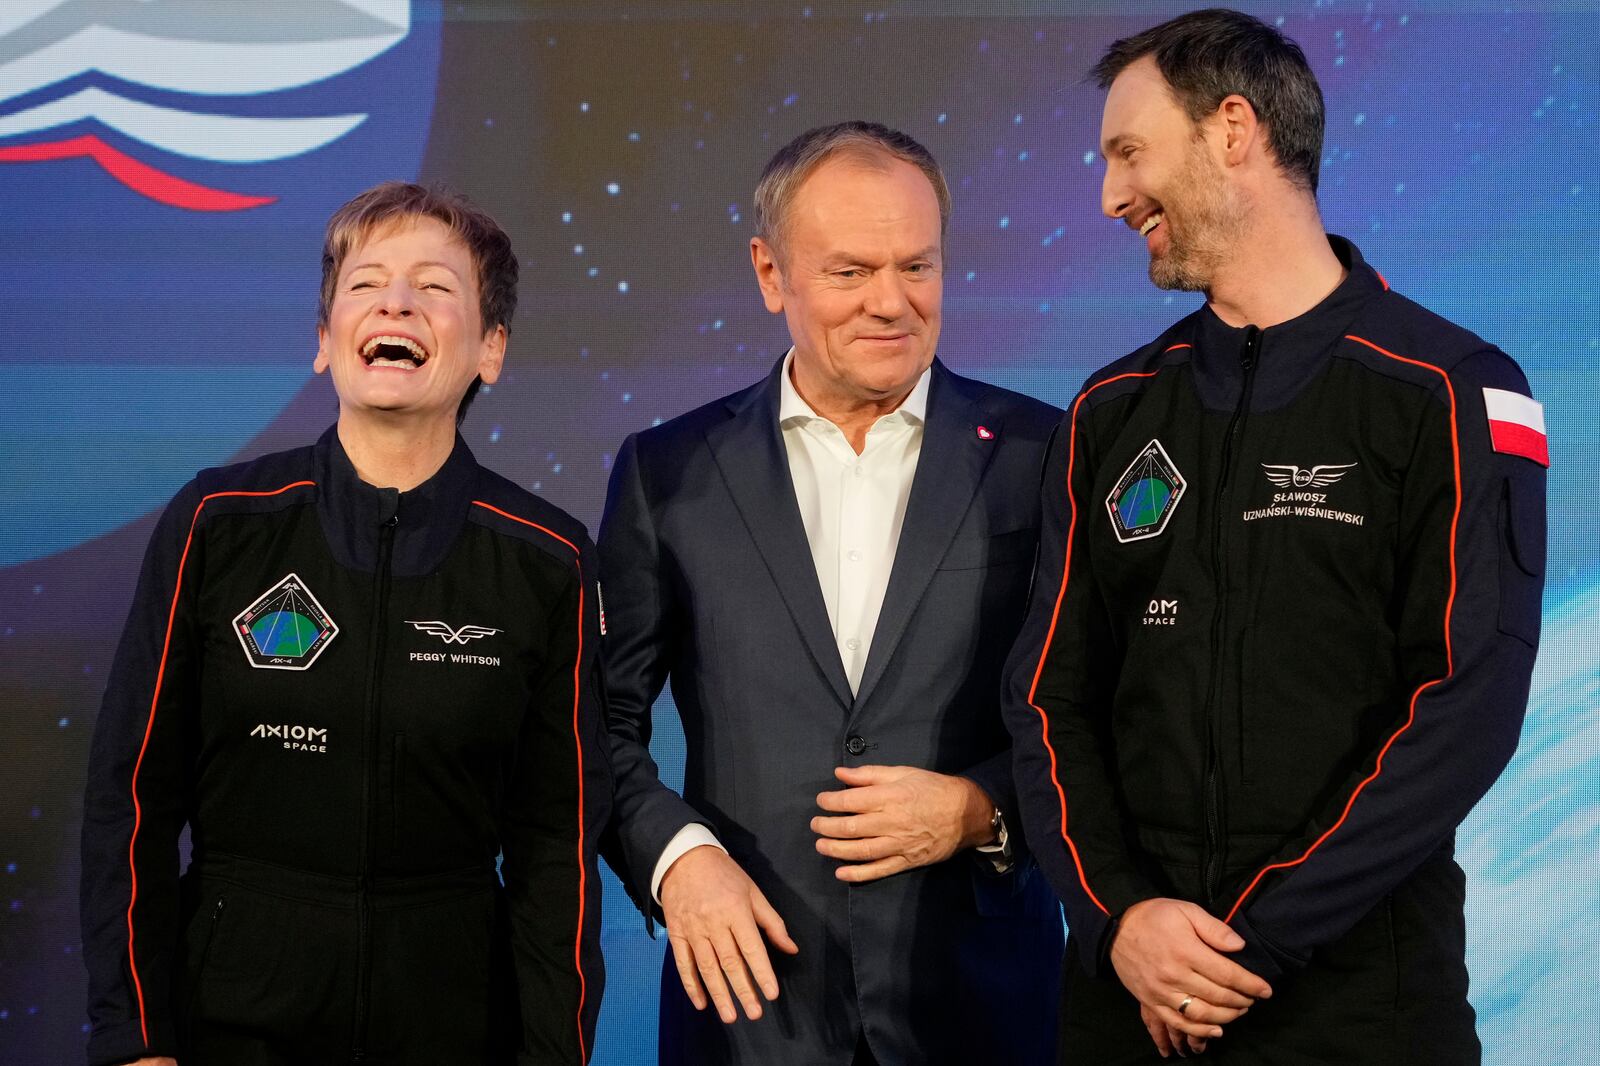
{"points": [[856, 745]]}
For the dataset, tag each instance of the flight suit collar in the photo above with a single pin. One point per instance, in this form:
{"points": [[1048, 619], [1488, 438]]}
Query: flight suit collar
{"points": [[427, 519], [1290, 353]]}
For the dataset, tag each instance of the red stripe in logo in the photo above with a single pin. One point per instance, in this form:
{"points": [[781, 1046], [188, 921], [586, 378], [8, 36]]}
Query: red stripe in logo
{"points": [[142, 178]]}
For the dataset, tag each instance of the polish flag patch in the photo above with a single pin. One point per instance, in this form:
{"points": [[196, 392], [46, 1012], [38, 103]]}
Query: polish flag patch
{"points": [[1516, 425]]}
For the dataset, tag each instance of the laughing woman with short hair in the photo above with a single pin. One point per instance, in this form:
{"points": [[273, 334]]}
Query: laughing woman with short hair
{"points": [[358, 672]]}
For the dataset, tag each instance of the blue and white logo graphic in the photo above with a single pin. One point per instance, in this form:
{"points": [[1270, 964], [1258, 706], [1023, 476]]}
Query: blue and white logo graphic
{"points": [[166, 169], [85, 69]]}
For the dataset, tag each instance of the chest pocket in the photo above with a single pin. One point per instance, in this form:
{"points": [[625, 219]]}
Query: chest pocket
{"points": [[998, 549]]}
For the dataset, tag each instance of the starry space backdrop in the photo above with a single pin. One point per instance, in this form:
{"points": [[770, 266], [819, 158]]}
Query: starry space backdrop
{"points": [[618, 142]]}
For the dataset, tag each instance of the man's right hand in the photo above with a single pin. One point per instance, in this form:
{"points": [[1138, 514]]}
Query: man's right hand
{"points": [[1167, 950], [715, 916]]}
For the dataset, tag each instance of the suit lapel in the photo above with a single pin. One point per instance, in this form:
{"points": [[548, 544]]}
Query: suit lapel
{"points": [[949, 469], [749, 451]]}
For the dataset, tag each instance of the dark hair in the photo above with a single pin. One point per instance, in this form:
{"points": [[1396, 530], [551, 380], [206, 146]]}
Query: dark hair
{"points": [[868, 142], [400, 201], [1206, 56]]}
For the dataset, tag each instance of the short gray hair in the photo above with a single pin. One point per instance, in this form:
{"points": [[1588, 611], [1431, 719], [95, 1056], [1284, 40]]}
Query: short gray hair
{"points": [[868, 142]]}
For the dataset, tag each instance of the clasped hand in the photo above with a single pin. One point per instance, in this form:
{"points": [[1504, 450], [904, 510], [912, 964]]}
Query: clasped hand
{"points": [[896, 818], [1167, 951]]}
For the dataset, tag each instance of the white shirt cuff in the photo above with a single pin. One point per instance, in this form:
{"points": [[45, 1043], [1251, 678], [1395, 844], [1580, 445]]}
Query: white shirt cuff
{"points": [[690, 836], [998, 854]]}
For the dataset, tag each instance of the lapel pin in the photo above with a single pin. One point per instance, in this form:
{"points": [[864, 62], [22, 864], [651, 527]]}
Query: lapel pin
{"points": [[985, 433]]}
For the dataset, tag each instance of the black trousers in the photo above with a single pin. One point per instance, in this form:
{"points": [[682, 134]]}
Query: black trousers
{"points": [[276, 973], [1391, 992]]}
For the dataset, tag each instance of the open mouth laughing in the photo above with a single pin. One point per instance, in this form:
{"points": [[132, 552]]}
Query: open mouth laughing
{"points": [[395, 351]]}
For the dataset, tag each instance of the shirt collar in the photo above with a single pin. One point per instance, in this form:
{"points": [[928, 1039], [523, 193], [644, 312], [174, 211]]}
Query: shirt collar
{"points": [[793, 407]]}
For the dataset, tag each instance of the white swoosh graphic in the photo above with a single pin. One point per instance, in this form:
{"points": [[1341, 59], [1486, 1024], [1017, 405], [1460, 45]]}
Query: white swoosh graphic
{"points": [[220, 138], [186, 66], [207, 47]]}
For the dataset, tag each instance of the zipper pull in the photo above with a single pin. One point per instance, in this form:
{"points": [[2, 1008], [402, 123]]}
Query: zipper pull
{"points": [[388, 508], [1252, 347]]}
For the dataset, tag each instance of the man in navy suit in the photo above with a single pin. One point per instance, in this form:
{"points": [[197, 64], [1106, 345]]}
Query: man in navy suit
{"points": [[829, 567]]}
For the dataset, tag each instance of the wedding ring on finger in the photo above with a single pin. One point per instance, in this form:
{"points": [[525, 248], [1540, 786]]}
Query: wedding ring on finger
{"points": [[1183, 1008]]}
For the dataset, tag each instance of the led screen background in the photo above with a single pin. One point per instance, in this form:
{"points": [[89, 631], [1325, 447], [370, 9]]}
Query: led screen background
{"points": [[618, 143]]}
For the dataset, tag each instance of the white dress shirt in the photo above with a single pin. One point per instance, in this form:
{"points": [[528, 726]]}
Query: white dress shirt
{"points": [[852, 507]]}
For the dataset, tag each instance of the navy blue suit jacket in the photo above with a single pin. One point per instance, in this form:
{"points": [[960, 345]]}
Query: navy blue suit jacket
{"points": [[708, 582]]}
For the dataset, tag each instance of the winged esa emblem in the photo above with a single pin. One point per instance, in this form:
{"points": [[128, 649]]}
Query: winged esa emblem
{"points": [[453, 636], [1286, 475]]}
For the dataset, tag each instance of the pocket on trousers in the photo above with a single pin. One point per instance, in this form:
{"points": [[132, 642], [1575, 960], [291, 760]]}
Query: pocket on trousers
{"points": [[273, 963], [198, 938]]}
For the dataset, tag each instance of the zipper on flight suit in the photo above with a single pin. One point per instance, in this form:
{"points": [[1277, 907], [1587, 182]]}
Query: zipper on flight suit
{"points": [[1211, 868], [369, 786]]}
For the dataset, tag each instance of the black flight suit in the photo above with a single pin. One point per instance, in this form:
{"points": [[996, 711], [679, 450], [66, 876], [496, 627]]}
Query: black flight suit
{"points": [[1280, 644], [355, 698]]}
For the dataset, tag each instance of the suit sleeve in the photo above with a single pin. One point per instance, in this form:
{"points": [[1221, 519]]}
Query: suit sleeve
{"points": [[1058, 704], [1470, 579], [559, 802], [993, 775], [134, 805], [642, 625]]}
